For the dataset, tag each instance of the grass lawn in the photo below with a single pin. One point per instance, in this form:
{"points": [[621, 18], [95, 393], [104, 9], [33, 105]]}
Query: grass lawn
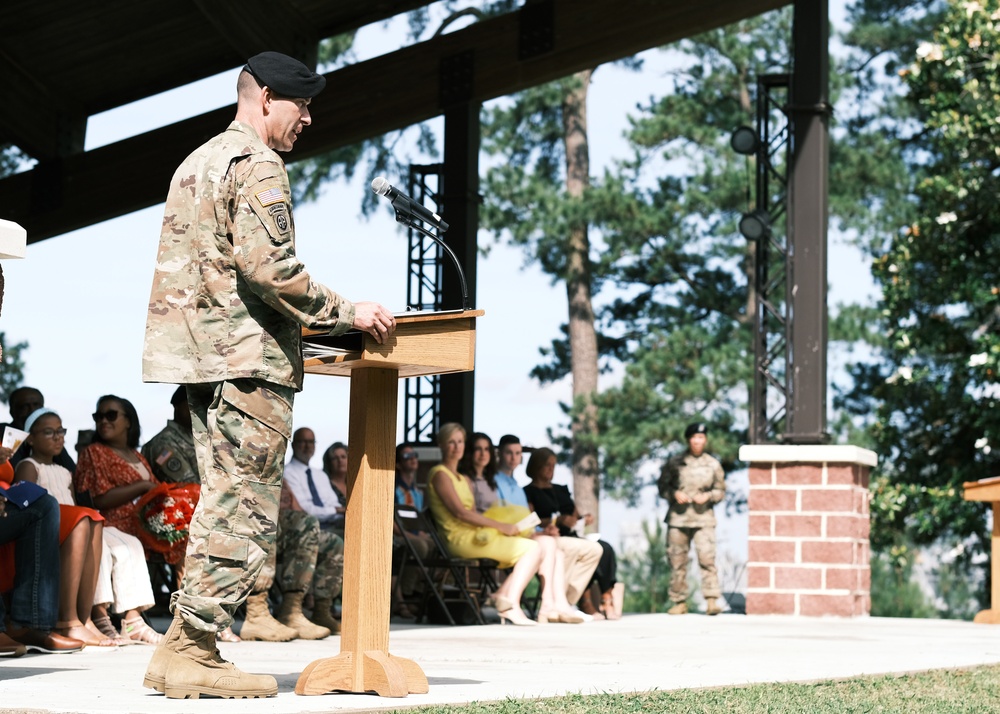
{"points": [[938, 692]]}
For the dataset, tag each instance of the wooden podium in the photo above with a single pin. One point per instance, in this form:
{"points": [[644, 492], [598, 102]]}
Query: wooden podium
{"points": [[423, 344], [988, 489]]}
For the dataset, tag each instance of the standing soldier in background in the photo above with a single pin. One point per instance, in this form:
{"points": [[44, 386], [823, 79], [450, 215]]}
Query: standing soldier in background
{"points": [[228, 302], [692, 483]]}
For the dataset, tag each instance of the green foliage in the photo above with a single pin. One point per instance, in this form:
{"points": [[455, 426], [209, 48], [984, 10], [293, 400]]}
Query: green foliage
{"points": [[646, 573], [893, 592], [376, 156], [681, 326], [936, 390], [11, 366]]}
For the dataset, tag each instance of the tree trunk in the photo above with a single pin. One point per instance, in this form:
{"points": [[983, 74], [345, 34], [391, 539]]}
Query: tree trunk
{"points": [[582, 334]]}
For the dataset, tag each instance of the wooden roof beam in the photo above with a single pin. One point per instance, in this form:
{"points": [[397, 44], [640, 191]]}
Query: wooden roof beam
{"points": [[285, 29], [370, 98]]}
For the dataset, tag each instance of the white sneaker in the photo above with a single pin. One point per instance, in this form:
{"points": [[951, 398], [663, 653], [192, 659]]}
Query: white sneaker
{"points": [[585, 616]]}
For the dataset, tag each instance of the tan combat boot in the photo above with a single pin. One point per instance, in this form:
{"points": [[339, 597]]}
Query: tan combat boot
{"points": [[195, 667], [156, 672], [260, 625], [323, 615], [712, 606], [680, 608], [290, 614]]}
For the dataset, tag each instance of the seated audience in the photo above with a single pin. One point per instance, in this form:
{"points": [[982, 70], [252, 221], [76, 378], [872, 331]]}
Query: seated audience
{"points": [[482, 467], [309, 551], [29, 569], [299, 566], [22, 402], [81, 530], [454, 509], [335, 467], [408, 494], [115, 475], [553, 504], [171, 452], [580, 555], [313, 493], [479, 464]]}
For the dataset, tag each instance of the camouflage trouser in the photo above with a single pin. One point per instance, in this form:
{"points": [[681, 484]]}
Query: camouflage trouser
{"points": [[241, 428], [329, 566], [678, 548], [310, 558]]}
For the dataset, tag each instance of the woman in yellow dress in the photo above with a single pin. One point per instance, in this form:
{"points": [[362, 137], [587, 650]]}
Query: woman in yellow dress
{"points": [[454, 510]]}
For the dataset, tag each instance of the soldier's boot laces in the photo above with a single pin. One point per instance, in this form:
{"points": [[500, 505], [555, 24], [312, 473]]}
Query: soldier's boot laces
{"points": [[195, 668], [260, 625], [290, 614], [323, 615], [680, 608], [712, 606]]}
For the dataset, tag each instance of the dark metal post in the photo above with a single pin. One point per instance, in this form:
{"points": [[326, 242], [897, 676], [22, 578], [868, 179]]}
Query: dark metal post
{"points": [[460, 207], [808, 222]]}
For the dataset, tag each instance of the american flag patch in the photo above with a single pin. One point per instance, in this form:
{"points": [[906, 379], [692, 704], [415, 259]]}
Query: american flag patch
{"points": [[270, 195]]}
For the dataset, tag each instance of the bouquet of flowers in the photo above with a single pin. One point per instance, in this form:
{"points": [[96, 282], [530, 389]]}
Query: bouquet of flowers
{"points": [[164, 515]]}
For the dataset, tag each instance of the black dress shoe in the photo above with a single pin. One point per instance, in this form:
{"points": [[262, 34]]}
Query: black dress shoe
{"points": [[10, 648], [47, 642]]}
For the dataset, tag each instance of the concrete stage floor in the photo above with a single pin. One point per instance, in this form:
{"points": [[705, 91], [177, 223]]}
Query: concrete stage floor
{"points": [[465, 664]]}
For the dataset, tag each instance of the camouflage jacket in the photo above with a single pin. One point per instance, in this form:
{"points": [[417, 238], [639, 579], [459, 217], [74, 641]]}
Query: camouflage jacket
{"points": [[171, 455], [229, 296], [692, 475]]}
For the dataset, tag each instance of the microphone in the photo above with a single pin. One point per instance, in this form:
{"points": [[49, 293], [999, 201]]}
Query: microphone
{"points": [[406, 206]]}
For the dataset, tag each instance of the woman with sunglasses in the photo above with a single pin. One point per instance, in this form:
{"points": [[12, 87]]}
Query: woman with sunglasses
{"points": [[115, 474]]}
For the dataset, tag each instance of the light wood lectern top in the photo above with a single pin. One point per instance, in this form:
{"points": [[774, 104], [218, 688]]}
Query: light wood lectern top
{"points": [[988, 489], [423, 344]]}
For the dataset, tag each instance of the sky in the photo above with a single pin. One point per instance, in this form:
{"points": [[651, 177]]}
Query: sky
{"points": [[80, 299]]}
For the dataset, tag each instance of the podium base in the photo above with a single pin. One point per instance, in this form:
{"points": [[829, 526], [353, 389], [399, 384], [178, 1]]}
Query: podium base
{"points": [[379, 672], [987, 617]]}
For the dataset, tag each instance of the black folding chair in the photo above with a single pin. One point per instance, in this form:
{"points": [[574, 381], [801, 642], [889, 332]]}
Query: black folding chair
{"points": [[436, 568]]}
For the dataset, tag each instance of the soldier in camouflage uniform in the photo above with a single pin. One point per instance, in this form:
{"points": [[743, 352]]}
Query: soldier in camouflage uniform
{"points": [[692, 483], [171, 453], [228, 301], [310, 559]]}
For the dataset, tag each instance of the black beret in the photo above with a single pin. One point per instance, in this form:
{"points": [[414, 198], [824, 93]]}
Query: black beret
{"points": [[285, 75], [179, 396], [692, 429]]}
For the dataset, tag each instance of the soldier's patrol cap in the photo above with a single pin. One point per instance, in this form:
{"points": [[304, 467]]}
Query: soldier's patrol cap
{"points": [[285, 75], [696, 428]]}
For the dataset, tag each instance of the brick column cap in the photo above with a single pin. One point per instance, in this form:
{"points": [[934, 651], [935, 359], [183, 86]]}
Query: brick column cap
{"points": [[807, 453]]}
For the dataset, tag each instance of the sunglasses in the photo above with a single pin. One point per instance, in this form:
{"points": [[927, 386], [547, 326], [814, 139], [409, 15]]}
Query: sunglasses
{"points": [[111, 415], [408, 455], [50, 433]]}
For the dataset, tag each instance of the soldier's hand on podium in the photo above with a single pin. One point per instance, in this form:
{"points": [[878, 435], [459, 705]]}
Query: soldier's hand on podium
{"points": [[374, 319]]}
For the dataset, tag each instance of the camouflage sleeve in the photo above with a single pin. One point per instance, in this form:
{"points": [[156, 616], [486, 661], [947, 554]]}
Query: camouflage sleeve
{"points": [[667, 483], [265, 254], [718, 483]]}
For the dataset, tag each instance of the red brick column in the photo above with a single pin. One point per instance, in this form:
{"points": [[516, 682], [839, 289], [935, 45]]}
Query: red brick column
{"points": [[808, 547]]}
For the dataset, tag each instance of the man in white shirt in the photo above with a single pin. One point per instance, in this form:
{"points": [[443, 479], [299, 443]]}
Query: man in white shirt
{"points": [[308, 565], [312, 488]]}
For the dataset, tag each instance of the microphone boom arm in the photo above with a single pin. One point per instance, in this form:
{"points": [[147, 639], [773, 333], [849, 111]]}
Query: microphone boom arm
{"points": [[404, 216]]}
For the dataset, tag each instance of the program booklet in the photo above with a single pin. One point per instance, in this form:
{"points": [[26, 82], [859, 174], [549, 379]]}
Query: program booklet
{"points": [[12, 437]]}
